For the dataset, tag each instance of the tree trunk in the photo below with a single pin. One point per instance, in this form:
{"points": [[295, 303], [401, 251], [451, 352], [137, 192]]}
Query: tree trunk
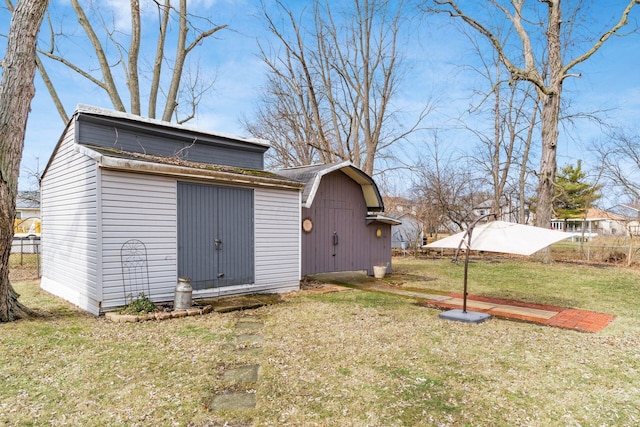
{"points": [[496, 207], [522, 178], [16, 93], [157, 63], [172, 93], [550, 111], [109, 83], [550, 118], [134, 52]]}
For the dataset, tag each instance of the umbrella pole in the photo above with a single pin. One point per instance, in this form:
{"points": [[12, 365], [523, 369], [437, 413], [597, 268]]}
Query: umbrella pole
{"points": [[466, 257], [466, 269], [456, 314]]}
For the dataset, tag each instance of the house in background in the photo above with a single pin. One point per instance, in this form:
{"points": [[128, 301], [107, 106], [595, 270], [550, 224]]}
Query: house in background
{"points": [[508, 208], [130, 205], [626, 210], [631, 215], [409, 233], [28, 204], [27, 221], [343, 226], [597, 222], [26, 225]]}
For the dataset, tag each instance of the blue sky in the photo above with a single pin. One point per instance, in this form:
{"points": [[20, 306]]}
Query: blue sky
{"points": [[434, 56]]}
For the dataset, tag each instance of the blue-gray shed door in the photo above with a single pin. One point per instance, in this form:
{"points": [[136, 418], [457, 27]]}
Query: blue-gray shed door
{"points": [[215, 235]]}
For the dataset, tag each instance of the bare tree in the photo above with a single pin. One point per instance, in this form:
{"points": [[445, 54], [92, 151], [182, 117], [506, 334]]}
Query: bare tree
{"points": [[332, 83], [118, 59], [503, 152], [16, 93], [619, 157], [445, 191], [620, 160], [547, 72]]}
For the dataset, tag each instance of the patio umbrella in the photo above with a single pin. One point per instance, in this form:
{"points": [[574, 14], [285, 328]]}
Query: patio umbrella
{"points": [[505, 237], [495, 236]]}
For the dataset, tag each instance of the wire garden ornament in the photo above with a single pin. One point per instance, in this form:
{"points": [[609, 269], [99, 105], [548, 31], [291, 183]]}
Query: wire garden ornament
{"points": [[135, 270]]}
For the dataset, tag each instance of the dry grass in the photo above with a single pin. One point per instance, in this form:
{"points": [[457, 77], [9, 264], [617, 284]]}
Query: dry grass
{"points": [[347, 358]]}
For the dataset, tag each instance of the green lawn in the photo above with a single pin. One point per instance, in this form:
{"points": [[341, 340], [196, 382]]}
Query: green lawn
{"points": [[349, 358]]}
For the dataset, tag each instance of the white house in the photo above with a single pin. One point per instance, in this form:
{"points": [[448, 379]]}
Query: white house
{"points": [[509, 210], [131, 204], [597, 222], [631, 216]]}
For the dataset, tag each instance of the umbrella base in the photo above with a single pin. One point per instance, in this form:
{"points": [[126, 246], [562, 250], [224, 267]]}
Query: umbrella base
{"points": [[461, 316]]}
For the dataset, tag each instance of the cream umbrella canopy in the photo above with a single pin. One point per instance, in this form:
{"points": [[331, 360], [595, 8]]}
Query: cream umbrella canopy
{"points": [[505, 237], [495, 236]]}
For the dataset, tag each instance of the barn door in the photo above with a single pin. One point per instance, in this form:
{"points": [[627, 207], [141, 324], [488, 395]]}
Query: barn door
{"points": [[341, 239], [235, 233], [215, 235]]}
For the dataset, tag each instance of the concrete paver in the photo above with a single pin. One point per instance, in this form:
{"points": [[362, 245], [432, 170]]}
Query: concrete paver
{"points": [[249, 338], [561, 317], [525, 311], [248, 326], [238, 400], [242, 374]]}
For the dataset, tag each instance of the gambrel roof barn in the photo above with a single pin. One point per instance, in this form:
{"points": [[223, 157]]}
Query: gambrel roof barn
{"points": [[343, 226]]}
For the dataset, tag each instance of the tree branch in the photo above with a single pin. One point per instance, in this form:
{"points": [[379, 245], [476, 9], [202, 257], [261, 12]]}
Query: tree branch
{"points": [[621, 23]]}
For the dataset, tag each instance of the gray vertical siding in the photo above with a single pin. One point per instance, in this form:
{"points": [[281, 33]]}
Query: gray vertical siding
{"points": [[236, 233], [196, 234], [70, 255], [119, 135], [215, 235]]}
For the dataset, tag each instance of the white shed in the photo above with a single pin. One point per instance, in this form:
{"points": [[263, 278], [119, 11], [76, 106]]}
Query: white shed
{"points": [[131, 204]]}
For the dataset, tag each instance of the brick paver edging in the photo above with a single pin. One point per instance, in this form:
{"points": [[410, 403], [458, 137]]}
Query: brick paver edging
{"points": [[567, 318], [114, 316]]}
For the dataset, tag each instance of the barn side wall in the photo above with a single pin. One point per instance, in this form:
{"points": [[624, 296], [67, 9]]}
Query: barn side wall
{"points": [[69, 227], [339, 210], [140, 207]]}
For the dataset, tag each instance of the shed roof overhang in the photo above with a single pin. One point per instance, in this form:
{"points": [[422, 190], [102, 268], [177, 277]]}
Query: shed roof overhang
{"points": [[163, 166], [176, 131], [312, 176], [383, 219]]}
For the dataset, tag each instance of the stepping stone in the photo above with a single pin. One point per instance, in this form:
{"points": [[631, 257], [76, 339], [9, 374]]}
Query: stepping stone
{"points": [[229, 347], [249, 351], [246, 350], [249, 326], [242, 374], [240, 400], [249, 338]]}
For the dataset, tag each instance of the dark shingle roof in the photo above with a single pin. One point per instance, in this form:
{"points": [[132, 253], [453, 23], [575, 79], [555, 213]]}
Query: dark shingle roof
{"points": [[312, 175]]}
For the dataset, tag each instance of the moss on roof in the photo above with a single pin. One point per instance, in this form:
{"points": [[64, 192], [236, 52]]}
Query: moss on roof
{"points": [[177, 161]]}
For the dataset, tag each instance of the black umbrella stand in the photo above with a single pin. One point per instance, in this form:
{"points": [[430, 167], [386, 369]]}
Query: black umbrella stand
{"points": [[464, 315]]}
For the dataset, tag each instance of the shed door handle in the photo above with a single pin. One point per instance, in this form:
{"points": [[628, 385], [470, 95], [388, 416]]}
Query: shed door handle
{"points": [[335, 238], [218, 244]]}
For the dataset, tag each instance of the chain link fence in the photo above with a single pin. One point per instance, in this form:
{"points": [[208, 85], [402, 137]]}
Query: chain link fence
{"points": [[25, 253], [605, 250]]}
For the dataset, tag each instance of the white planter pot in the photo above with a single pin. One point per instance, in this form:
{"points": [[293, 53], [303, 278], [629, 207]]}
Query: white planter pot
{"points": [[379, 271]]}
